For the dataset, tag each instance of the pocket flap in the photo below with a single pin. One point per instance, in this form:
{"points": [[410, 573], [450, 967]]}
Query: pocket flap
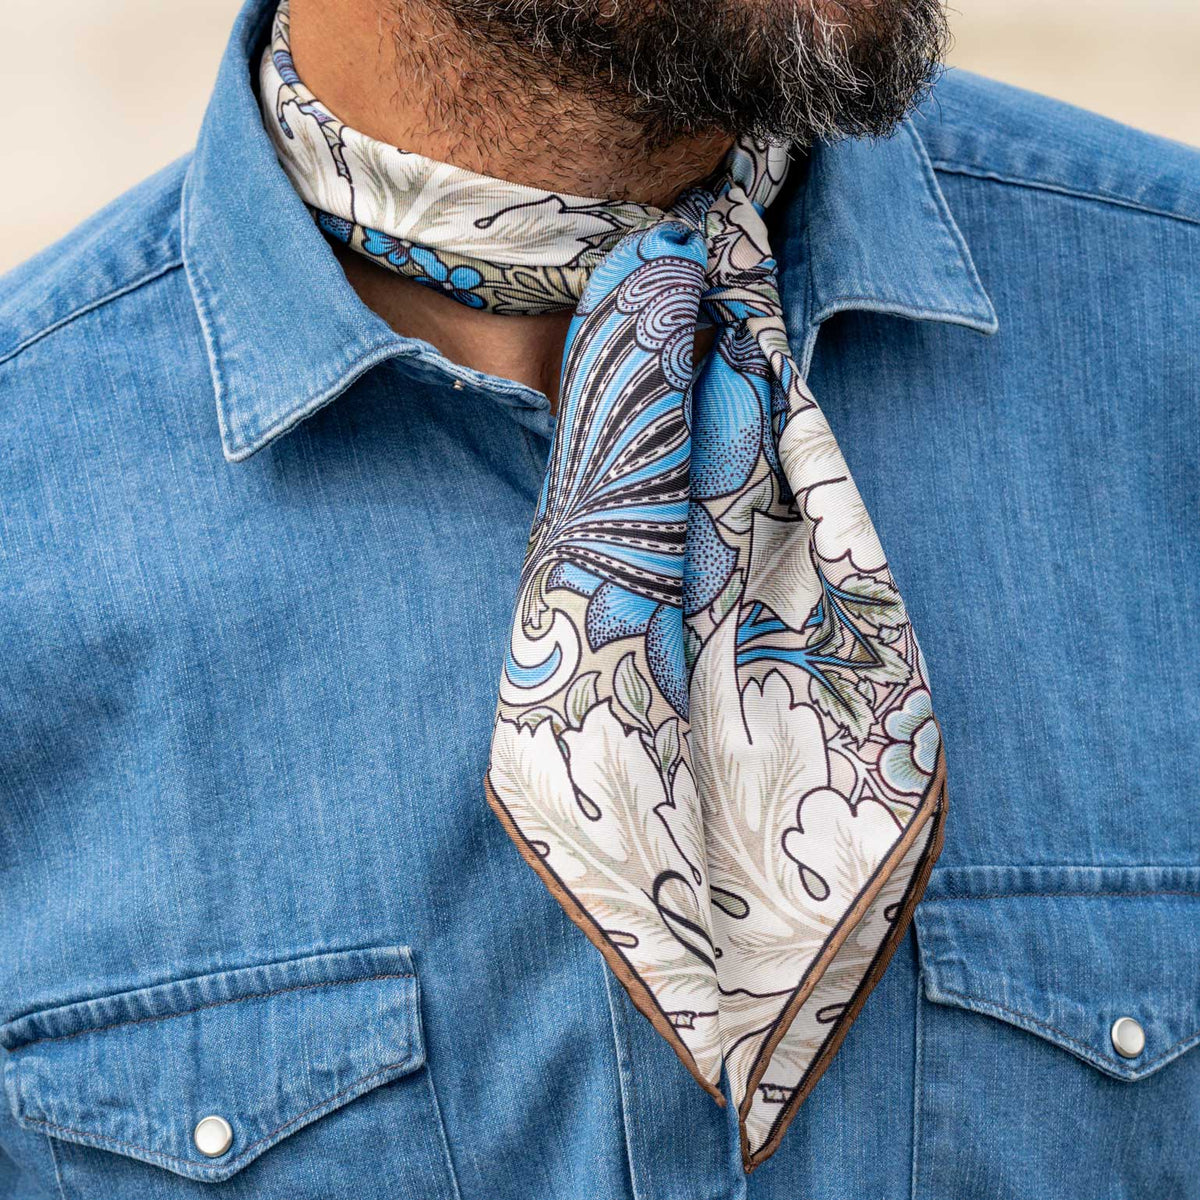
{"points": [[1065, 952], [269, 1049]]}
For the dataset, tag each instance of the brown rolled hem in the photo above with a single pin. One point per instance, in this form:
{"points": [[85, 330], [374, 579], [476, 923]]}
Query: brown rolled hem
{"points": [[639, 993], [932, 806]]}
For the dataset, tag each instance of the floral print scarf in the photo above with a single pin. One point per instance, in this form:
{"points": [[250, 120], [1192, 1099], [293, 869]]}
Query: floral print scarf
{"points": [[714, 740]]}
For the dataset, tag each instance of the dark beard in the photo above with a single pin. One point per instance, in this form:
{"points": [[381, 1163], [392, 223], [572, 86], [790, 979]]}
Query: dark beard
{"points": [[794, 70]]}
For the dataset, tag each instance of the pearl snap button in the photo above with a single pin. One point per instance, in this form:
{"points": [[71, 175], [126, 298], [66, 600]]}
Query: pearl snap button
{"points": [[1128, 1037], [212, 1136]]}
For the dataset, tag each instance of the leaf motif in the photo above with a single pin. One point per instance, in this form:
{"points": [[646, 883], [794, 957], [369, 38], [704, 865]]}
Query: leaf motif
{"points": [[875, 600], [692, 644], [739, 516], [892, 668], [533, 717], [666, 744], [632, 690], [730, 594], [826, 630], [581, 696], [841, 704]]}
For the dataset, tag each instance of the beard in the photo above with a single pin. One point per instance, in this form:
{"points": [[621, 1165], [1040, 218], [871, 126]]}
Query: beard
{"points": [[786, 70]]}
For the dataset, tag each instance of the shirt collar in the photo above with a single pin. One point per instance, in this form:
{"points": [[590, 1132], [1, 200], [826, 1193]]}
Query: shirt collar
{"points": [[868, 228]]}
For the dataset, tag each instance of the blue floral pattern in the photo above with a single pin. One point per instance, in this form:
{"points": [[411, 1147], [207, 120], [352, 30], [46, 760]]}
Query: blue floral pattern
{"points": [[388, 203], [459, 282]]}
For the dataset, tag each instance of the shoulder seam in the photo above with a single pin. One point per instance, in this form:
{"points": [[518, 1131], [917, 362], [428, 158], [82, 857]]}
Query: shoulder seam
{"points": [[950, 167], [149, 276]]}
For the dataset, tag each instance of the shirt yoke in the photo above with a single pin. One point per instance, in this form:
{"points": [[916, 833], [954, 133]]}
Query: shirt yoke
{"points": [[1009, 137], [128, 243]]}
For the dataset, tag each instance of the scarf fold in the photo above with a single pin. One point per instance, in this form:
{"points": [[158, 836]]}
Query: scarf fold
{"points": [[714, 740]]}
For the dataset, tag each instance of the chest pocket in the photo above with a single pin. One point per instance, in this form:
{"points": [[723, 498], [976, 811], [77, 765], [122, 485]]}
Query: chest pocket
{"points": [[1059, 1008], [324, 1053]]}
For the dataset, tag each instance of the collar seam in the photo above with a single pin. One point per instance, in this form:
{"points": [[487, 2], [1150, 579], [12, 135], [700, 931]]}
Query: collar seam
{"points": [[872, 304], [198, 285]]}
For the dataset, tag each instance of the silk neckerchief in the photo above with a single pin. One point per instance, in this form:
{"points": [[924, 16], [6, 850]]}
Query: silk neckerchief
{"points": [[714, 740]]}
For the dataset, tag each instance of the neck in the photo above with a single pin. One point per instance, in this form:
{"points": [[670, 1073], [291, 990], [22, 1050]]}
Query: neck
{"points": [[402, 72]]}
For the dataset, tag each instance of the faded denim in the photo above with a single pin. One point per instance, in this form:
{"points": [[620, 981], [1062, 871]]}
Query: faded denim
{"points": [[246, 866]]}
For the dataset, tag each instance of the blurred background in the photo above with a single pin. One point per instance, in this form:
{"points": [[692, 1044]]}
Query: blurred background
{"points": [[100, 94]]}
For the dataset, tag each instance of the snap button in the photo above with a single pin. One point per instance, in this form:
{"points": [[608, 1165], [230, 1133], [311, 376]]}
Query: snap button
{"points": [[212, 1136], [1128, 1037], [459, 385]]}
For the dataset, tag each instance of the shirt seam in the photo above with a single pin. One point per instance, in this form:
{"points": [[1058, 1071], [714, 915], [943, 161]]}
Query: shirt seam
{"points": [[1076, 894], [183, 1012], [918, 1083], [91, 305], [161, 1155], [58, 1179], [950, 167], [1086, 1047], [626, 1082]]}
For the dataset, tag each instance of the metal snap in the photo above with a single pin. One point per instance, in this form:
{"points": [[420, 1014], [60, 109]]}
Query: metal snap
{"points": [[1128, 1037], [212, 1136]]}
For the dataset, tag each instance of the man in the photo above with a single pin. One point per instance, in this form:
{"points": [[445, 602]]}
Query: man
{"points": [[290, 904]]}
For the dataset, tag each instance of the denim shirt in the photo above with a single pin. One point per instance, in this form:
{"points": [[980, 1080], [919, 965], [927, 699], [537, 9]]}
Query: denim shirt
{"points": [[257, 559]]}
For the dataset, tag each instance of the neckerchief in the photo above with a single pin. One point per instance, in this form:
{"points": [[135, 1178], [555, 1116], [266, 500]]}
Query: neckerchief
{"points": [[714, 741]]}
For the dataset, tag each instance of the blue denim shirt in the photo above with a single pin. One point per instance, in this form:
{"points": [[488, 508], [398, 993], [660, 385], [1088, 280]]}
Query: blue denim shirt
{"points": [[257, 559]]}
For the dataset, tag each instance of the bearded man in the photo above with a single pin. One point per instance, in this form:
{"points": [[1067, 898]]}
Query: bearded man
{"points": [[463, 735]]}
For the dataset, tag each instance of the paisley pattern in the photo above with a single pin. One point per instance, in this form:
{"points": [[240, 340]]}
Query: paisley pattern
{"points": [[714, 740]]}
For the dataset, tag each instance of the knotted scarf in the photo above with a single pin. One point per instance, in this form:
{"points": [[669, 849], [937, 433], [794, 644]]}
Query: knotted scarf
{"points": [[714, 740]]}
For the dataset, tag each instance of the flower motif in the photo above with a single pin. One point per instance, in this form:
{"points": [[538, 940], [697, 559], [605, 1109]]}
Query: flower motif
{"points": [[383, 245], [908, 762], [731, 421], [456, 282]]}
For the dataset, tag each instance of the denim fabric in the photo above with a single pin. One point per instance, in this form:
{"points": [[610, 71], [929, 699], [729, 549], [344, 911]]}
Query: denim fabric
{"points": [[252, 542], [358, 1009]]}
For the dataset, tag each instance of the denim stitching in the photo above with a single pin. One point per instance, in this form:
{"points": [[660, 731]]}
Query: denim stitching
{"points": [[626, 1083], [90, 306], [183, 1012], [451, 1171], [1055, 1029], [918, 1080], [1041, 185], [62, 1191], [160, 1154], [1071, 894]]}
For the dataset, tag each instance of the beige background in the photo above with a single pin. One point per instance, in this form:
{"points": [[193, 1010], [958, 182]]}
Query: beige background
{"points": [[99, 93]]}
